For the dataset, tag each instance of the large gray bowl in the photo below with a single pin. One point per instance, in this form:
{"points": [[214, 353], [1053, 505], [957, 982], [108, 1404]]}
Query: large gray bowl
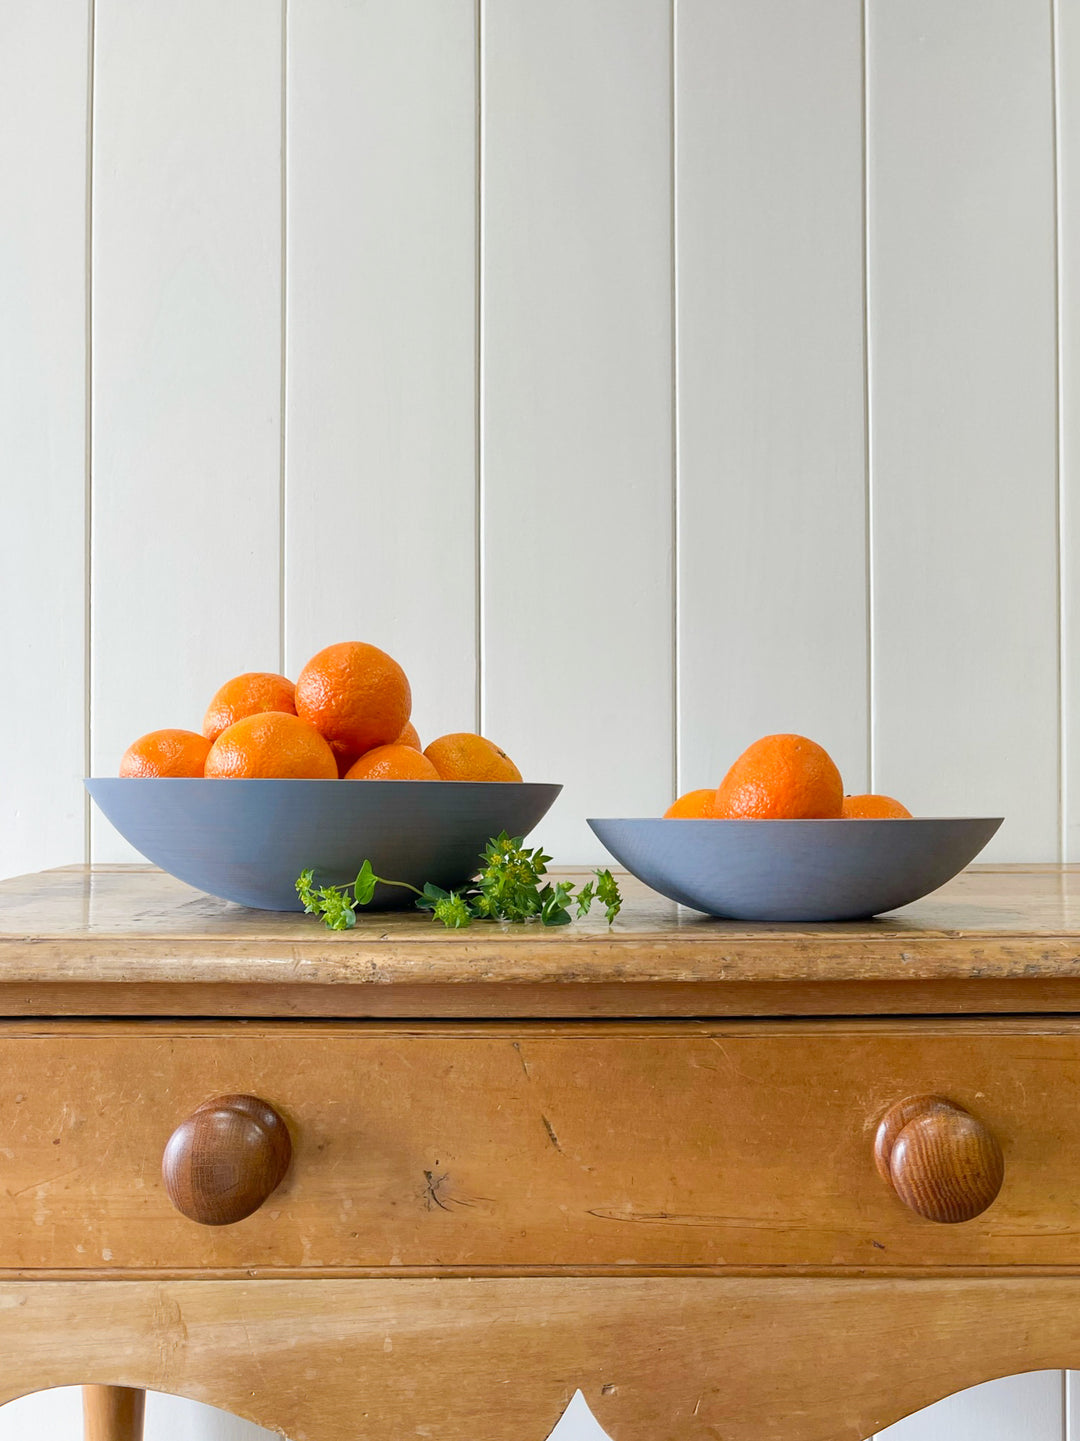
{"points": [[248, 840], [795, 870]]}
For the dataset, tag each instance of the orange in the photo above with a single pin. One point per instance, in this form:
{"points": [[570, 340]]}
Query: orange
{"points": [[781, 777], [248, 694], [874, 807], [693, 806], [410, 737], [166, 753], [271, 744], [393, 763], [463, 756], [355, 695]]}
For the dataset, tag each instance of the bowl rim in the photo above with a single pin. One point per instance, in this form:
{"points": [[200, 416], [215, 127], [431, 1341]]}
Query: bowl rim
{"points": [[302, 780], [802, 821]]}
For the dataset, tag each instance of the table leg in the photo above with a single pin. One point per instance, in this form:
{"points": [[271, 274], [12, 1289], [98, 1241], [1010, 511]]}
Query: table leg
{"points": [[113, 1413]]}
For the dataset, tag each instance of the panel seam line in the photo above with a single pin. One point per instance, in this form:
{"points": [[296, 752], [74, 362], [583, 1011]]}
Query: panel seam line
{"points": [[480, 631], [283, 335], [868, 483], [676, 678], [88, 438], [1059, 444]]}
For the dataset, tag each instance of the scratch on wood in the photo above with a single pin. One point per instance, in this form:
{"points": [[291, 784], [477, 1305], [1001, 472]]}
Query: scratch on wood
{"points": [[253, 1351], [432, 1184], [521, 1058], [551, 1133], [44, 1184], [435, 1189]]}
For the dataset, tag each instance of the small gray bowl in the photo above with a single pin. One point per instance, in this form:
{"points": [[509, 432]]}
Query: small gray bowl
{"points": [[248, 840], [838, 870]]}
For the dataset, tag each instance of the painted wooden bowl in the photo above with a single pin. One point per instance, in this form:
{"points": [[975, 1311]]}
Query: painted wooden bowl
{"points": [[837, 870], [248, 840]]}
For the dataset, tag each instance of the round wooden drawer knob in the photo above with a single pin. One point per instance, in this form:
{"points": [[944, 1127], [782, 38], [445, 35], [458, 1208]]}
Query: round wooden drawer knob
{"points": [[939, 1159], [225, 1159]]}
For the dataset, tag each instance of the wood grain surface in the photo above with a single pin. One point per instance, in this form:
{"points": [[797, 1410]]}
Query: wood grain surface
{"points": [[482, 1360], [129, 940], [582, 1147]]}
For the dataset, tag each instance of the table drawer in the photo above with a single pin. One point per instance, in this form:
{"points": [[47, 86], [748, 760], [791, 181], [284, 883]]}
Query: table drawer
{"points": [[580, 1146]]}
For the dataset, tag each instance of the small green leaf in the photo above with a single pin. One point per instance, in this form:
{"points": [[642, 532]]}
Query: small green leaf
{"points": [[553, 901], [364, 885], [430, 897], [556, 916]]}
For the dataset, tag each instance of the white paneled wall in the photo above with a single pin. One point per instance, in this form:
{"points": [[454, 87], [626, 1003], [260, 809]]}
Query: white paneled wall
{"points": [[771, 476], [962, 390], [645, 374], [57, 1416], [1067, 53], [380, 473], [185, 364], [44, 79], [1019, 1408], [576, 403]]}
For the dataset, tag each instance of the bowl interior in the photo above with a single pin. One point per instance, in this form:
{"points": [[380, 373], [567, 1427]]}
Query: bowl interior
{"points": [[825, 870], [248, 840]]}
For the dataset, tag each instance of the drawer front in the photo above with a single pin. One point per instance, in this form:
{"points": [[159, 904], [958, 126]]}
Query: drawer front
{"points": [[520, 1146]]}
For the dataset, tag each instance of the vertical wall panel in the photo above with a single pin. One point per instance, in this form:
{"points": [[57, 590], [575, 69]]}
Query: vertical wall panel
{"points": [[381, 341], [1068, 141], [772, 459], [44, 65], [1015, 1408], [962, 413], [577, 662], [187, 362]]}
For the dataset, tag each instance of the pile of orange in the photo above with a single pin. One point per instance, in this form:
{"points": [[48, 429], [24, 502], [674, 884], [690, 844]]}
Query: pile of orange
{"points": [[347, 716], [783, 778]]}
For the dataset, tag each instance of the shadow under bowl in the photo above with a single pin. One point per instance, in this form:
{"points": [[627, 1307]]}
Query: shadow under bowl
{"points": [[248, 840], [828, 870]]}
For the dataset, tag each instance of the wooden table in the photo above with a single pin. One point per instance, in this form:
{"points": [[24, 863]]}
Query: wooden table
{"points": [[638, 1161]]}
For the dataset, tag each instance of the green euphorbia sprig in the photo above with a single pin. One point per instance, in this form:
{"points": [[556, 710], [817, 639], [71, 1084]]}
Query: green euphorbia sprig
{"points": [[510, 885]]}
